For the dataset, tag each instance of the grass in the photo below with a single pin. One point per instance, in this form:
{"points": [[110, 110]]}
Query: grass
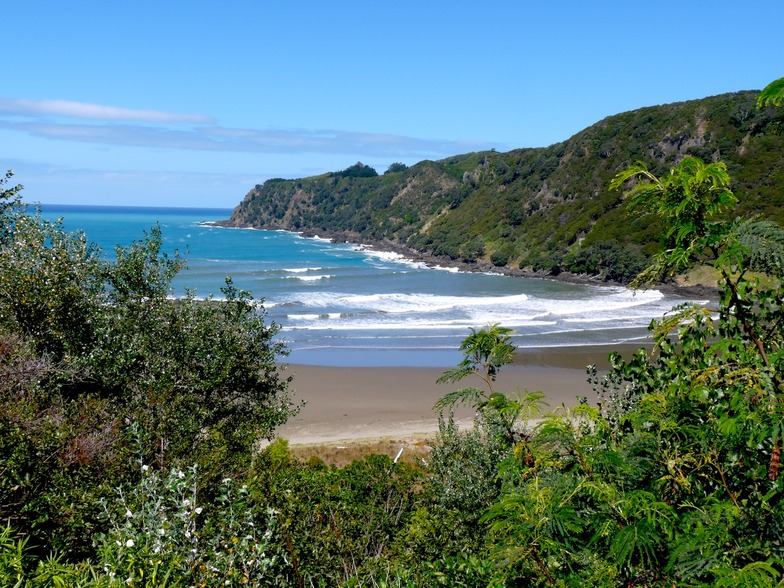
{"points": [[341, 453], [700, 275]]}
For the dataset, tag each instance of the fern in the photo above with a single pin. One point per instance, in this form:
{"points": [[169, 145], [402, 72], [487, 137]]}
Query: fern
{"points": [[688, 312], [468, 396], [757, 574], [763, 242], [772, 94]]}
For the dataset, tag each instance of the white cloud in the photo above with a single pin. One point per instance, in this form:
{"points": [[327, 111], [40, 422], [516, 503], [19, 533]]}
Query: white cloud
{"points": [[220, 139], [83, 110]]}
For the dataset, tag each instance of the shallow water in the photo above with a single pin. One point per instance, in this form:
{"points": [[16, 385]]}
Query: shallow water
{"points": [[342, 305]]}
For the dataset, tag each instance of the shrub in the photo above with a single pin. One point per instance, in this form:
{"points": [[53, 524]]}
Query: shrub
{"points": [[499, 258], [396, 167], [88, 346]]}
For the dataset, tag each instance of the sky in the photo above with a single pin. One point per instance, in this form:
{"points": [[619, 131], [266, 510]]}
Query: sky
{"points": [[192, 103]]}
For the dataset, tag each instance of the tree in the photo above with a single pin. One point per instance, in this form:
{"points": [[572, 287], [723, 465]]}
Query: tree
{"points": [[472, 250], [358, 170], [396, 167], [676, 478], [50, 284], [686, 201], [9, 200], [89, 347], [485, 350], [609, 260], [711, 401]]}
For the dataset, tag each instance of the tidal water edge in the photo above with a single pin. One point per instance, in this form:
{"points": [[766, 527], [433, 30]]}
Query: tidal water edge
{"points": [[342, 305]]}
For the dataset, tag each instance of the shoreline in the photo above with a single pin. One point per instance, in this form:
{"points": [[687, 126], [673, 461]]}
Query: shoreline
{"points": [[352, 403], [683, 290], [355, 402]]}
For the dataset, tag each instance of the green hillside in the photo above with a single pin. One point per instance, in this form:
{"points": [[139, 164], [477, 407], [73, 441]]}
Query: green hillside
{"points": [[542, 209]]}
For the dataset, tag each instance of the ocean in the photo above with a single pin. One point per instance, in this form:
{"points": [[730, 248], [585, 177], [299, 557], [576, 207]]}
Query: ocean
{"points": [[344, 305]]}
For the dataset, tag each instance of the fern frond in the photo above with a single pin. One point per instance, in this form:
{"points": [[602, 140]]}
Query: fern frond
{"points": [[763, 242], [772, 94], [757, 574], [635, 544], [467, 396], [717, 175], [664, 265], [463, 369], [653, 274], [531, 404], [636, 169], [683, 313]]}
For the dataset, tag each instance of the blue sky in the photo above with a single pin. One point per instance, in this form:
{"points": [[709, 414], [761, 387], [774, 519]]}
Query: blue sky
{"points": [[192, 103]]}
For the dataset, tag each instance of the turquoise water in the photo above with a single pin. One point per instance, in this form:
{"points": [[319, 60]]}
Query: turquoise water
{"points": [[342, 305]]}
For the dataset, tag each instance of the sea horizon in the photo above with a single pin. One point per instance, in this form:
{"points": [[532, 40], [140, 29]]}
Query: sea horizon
{"points": [[339, 304]]}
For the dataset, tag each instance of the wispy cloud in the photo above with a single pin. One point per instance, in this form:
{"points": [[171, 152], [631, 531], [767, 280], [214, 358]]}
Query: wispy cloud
{"points": [[216, 138], [84, 110], [152, 129]]}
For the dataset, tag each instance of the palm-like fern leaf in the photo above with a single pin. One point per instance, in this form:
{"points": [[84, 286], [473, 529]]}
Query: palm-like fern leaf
{"points": [[763, 244], [468, 396], [773, 94]]}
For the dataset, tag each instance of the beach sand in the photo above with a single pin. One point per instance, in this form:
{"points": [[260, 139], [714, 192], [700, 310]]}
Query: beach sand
{"points": [[350, 403]]}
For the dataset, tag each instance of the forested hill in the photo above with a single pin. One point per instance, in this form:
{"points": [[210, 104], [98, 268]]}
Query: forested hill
{"points": [[542, 208]]}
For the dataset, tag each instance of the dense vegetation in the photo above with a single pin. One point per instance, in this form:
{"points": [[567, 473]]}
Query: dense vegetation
{"points": [[544, 209], [99, 368], [128, 422]]}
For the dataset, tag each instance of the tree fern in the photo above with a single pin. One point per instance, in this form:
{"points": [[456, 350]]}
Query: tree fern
{"points": [[469, 396], [485, 350], [757, 574], [763, 246], [772, 94]]}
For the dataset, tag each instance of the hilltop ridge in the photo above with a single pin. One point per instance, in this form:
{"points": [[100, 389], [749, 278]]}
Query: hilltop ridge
{"points": [[537, 211]]}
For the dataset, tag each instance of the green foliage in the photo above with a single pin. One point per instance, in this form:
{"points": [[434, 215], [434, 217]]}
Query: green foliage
{"points": [[533, 207], [453, 572], [50, 283], [10, 200], [472, 251], [686, 200], [142, 270], [155, 355], [160, 535], [499, 258], [20, 569], [88, 346], [673, 479], [772, 94], [548, 262], [485, 351], [336, 526], [396, 167], [757, 246], [358, 170], [608, 260]]}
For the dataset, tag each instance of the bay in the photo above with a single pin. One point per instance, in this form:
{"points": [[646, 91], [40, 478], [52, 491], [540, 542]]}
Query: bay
{"points": [[344, 305]]}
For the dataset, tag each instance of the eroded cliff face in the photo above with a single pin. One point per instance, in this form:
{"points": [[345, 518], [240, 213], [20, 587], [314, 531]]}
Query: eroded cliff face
{"points": [[510, 209]]}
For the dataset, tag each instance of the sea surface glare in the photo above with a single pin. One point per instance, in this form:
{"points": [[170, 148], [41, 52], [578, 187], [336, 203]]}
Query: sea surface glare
{"points": [[344, 305]]}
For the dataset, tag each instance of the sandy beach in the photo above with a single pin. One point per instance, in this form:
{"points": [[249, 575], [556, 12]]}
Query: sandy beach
{"points": [[349, 403]]}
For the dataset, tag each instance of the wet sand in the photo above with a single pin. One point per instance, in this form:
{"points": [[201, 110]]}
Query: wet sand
{"points": [[344, 403]]}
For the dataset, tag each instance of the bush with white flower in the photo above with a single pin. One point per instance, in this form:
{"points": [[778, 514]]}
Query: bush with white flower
{"points": [[159, 535]]}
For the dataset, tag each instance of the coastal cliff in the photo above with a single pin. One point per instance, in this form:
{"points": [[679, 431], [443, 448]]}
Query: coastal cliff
{"points": [[535, 211]]}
